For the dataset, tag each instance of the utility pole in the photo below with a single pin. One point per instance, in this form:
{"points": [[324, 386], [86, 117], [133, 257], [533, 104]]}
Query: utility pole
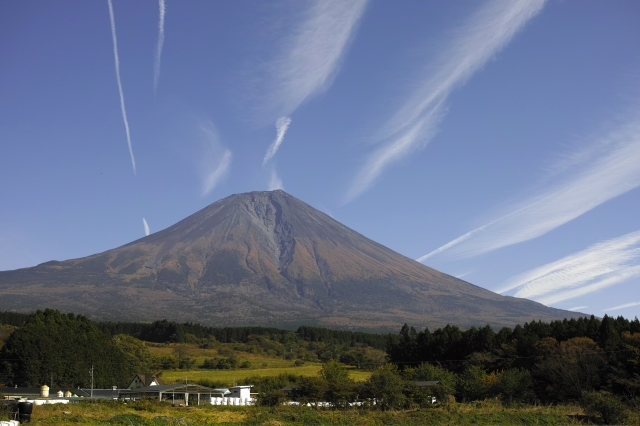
{"points": [[91, 380]]}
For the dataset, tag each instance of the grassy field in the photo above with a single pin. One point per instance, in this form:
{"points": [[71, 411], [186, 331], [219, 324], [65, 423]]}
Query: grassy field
{"points": [[261, 366], [146, 413], [240, 376]]}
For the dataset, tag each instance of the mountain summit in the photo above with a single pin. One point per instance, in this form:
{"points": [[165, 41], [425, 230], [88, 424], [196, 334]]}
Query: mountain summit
{"points": [[262, 258]]}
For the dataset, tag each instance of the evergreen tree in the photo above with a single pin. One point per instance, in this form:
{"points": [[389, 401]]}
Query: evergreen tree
{"points": [[63, 348]]}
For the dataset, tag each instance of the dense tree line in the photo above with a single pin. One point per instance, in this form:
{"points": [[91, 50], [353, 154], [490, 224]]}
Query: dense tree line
{"points": [[165, 331], [563, 358], [13, 318], [52, 347]]}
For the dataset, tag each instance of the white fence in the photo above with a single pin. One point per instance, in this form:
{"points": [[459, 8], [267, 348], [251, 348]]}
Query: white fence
{"points": [[232, 401]]}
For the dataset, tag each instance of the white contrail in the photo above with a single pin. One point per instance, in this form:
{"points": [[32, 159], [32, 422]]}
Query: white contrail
{"points": [[215, 160], [310, 58], [579, 268], [599, 266], [611, 168], [156, 67], [146, 227], [577, 308], [282, 125], [613, 279], [117, 61], [414, 124], [218, 170], [626, 305], [275, 182]]}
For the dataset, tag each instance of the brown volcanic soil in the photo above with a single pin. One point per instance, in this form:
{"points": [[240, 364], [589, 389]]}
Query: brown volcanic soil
{"points": [[262, 258]]}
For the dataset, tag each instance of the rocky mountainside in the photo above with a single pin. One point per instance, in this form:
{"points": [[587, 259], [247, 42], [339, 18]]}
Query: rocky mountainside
{"points": [[262, 258]]}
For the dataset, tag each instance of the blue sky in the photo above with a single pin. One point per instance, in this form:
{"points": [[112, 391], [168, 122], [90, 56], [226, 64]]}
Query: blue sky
{"points": [[497, 141]]}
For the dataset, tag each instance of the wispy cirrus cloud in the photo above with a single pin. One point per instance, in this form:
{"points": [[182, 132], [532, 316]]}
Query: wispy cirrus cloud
{"points": [[282, 125], [156, 65], [606, 169], [599, 266], [415, 123], [310, 57], [623, 306], [577, 308], [117, 63], [215, 160], [147, 231]]}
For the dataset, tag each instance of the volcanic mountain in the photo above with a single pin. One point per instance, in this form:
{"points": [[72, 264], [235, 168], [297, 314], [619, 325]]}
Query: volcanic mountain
{"points": [[262, 258]]}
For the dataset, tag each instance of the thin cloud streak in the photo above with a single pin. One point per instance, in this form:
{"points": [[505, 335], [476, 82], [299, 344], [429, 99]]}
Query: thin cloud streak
{"points": [[599, 266], [613, 279], [156, 66], [577, 308], [215, 160], [217, 172], [579, 268], [414, 124], [311, 57], [282, 125], [147, 231], [275, 182], [612, 168], [117, 63], [624, 306]]}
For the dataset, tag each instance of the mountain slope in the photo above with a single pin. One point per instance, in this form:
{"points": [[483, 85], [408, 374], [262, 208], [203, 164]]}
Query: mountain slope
{"points": [[262, 258]]}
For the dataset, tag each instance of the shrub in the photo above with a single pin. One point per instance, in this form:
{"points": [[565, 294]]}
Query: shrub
{"points": [[606, 405]]}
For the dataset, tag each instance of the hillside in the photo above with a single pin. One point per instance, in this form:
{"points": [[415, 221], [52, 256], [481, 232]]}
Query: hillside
{"points": [[262, 258]]}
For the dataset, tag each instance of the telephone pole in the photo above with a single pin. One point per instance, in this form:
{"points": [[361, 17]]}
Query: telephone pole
{"points": [[91, 380]]}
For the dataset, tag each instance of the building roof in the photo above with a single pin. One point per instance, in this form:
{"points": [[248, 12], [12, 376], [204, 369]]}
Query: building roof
{"points": [[147, 379], [103, 393], [176, 387], [36, 391]]}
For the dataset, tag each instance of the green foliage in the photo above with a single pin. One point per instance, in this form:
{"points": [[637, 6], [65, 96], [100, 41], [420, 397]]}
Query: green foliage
{"points": [[64, 346], [341, 389], [364, 358], [387, 386], [5, 332], [135, 351], [429, 372], [515, 385], [564, 358], [230, 363], [605, 405], [473, 384]]}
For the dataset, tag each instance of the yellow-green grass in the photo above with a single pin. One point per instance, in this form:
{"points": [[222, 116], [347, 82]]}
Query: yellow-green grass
{"points": [[239, 376], [147, 413], [199, 355]]}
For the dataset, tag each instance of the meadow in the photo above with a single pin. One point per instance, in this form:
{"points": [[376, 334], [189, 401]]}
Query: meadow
{"points": [[240, 377], [261, 366], [489, 412]]}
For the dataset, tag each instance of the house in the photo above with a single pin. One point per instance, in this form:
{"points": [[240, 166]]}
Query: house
{"points": [[242, 392], [177, 393], [145, 380]]}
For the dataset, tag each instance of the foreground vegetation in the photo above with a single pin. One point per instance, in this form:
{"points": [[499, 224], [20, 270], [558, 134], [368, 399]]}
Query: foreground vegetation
{"points": [[489, 412], [584, 370]]}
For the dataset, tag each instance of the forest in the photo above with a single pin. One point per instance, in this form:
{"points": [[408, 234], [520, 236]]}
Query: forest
{"points": [[589, 361]]}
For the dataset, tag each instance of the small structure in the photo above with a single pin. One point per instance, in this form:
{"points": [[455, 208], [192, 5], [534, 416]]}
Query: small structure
{"points": [[145, 380], [241, 392], [176, 393], [34, 393]]}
